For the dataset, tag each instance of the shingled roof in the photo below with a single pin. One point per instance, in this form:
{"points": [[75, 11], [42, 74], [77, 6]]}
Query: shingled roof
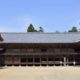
{"points": [[36, 37]]}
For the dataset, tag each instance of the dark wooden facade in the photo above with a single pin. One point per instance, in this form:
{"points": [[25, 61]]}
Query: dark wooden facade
{"points": [[39, 54]]}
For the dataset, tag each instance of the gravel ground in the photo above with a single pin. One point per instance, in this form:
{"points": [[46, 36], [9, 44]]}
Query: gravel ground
{"points": [[40, 73]]}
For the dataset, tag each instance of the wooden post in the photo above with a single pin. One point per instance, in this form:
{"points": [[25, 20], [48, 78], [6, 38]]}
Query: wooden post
{"points": [[74, 62], [60, 62], [64, 61], [67, 61]]}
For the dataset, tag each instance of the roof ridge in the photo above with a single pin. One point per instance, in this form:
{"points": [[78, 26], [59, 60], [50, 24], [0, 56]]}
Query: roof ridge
{"points": [[39, 32]]}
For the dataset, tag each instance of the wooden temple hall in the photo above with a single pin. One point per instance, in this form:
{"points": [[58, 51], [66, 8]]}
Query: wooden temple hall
{"points": [[40, 49]]}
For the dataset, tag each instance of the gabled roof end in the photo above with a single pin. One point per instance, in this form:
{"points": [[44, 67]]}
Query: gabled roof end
{"points": [[1, 39]]}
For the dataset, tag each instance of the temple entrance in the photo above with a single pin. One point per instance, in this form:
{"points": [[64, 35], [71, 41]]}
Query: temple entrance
{"points": [[30, 61], [36, 61], [23, 61]]}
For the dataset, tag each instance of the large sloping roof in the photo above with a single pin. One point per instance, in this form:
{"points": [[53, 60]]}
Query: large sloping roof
{"points": [[36, 37]]}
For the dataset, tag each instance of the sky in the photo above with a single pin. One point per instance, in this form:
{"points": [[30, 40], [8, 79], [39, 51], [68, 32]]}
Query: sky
{"points": [[52, 15]]}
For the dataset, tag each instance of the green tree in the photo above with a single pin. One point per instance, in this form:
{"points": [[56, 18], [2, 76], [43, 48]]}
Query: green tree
{"points": [[74, 29], [31, 28], [41, 29]]}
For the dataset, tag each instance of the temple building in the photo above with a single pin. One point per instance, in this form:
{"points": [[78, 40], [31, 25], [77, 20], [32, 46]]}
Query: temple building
{"points": [[40, 49]]}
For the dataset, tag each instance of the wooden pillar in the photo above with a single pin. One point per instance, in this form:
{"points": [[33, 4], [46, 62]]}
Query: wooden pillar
{"points": [[40, 60], [67, 61], [33, 63], [47, 60], [60, 62], [74, 62], [64, 61]]}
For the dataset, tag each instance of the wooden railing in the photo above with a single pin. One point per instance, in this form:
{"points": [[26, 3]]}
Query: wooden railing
{"points": [[38, 53]]}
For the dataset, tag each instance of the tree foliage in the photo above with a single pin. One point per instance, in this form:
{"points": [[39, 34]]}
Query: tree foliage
{"points": [[41, 29], [74, 29], [31, 28]]}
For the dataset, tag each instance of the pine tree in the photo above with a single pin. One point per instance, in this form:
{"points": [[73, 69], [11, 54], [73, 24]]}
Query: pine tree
{"points": [[31, 28], [74, 29], [41, 29]]}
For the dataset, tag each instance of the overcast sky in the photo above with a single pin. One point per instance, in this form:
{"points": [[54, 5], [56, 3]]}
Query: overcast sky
{"points": [[52, 15]]}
